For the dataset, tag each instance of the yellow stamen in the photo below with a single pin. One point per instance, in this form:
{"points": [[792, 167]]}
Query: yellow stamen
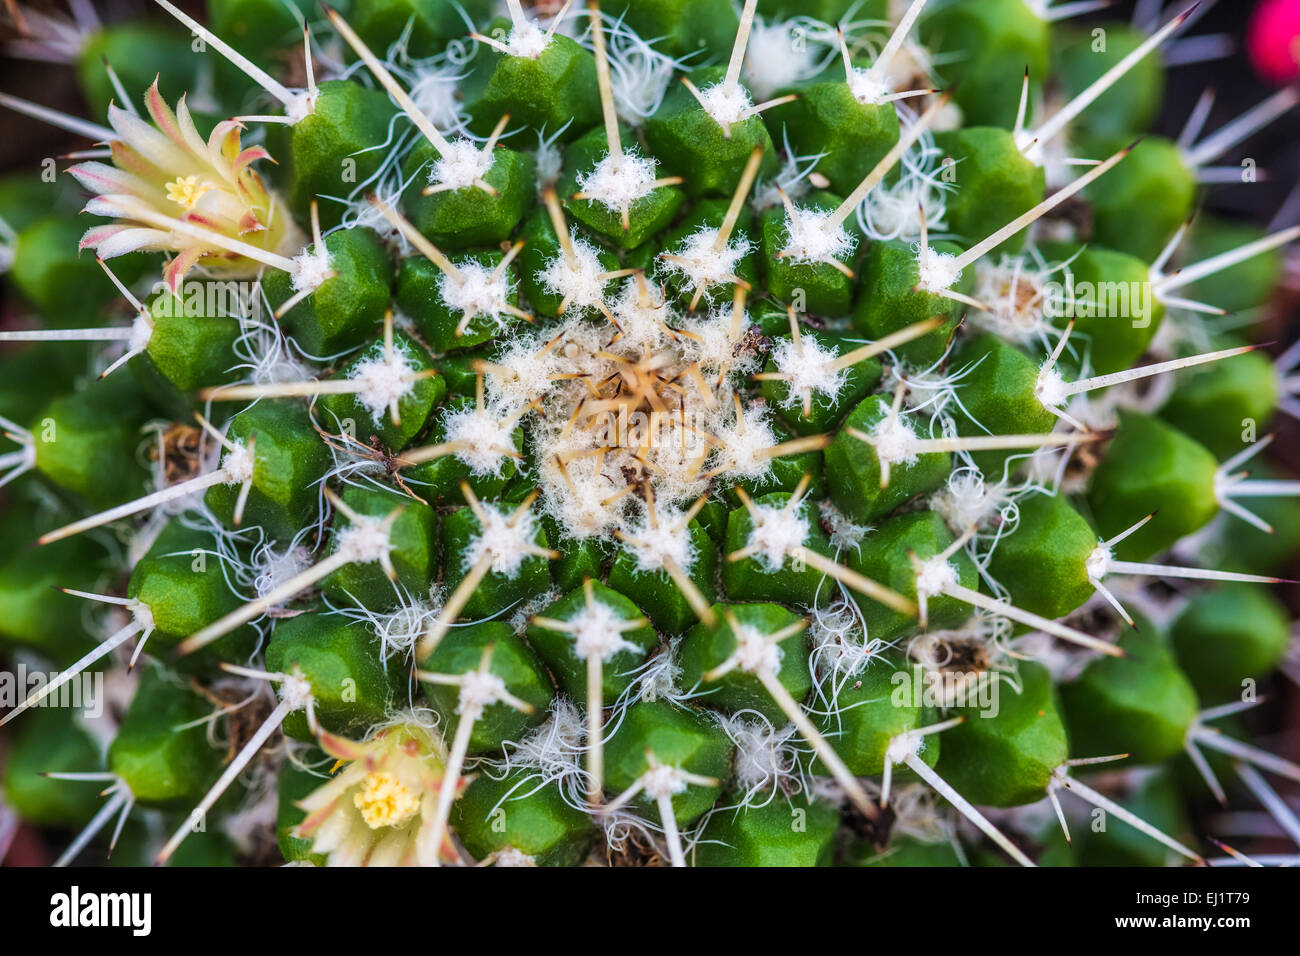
{"points": [[186, 190], [384, 801]]}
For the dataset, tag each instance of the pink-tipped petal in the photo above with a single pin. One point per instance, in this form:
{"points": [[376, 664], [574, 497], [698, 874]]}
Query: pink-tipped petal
{"points": [[128, 160], [163, 116], [340, 748], [250, 155], [95, 235], [152, 145], [175, 271], [102, 178], [134, 240], [250, 223], [110, 206], [312, 822]]}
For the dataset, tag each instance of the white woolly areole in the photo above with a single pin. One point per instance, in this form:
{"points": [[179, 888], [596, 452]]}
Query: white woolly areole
{"points": [[681, 450], [714, 345], [755, 653], [383, 381], [477, 692], [527, 40], [934, 577], [502, 541], [582, 516], [577, 509], [509, 856], [400, 630], [295, 691], [950, 117], [763, 755], [725, 102], [868, 88], [485, 440], [966, 500], [532, 368], [844, 533], [141, 616], [937, 271], [582, 340], [777, 532], [238, 464], [618, 182], [903, 746], [580, 281], [364, 541], [741, 450], [271, 567], [596, 632], [301, 106], [895, 441], [660, 677], [813, 238], [662, 781], [702, 263], [311, 268], [525, 611], [643, 322], [550, 163], [141, 333], [1050, 388], [462, 164], [809, 368], [478, 291], [1098, 563], [655, 546]]}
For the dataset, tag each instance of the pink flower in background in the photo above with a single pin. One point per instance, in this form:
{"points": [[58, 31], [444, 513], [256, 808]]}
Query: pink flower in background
{"points": [[1273, 40]]}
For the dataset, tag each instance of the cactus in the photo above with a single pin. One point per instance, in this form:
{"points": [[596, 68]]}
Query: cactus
{"points": [[673, 433]]}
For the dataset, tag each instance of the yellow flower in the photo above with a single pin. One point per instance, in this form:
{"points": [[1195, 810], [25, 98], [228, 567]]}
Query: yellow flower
{"points": [[228, 222], [378, 809]]}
